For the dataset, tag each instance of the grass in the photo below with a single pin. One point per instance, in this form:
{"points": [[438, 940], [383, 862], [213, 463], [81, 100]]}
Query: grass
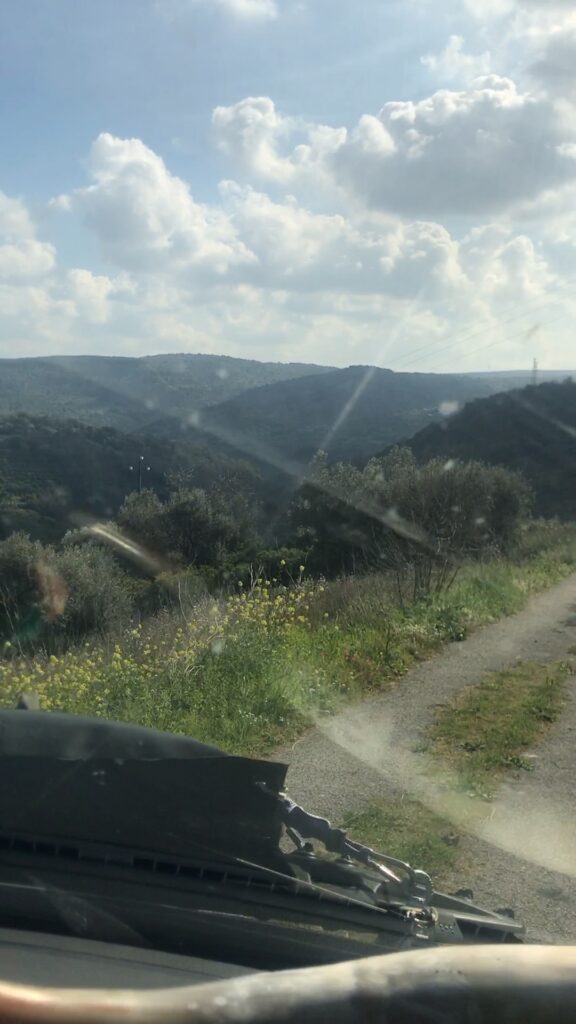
{"points": [[489, 728], [251, 671], [406, 829]]}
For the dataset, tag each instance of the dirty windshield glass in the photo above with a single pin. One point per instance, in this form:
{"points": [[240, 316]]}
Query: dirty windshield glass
{"points": [[288, 468]]}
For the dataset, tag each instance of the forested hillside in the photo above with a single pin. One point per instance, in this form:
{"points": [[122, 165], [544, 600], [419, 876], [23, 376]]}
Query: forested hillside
{"points": [[54, 474], [532, 430], [132, 394], [351, 414]]}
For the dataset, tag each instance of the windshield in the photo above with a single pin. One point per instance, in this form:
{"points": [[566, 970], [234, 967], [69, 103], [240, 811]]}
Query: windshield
{"points": [[288, 450]]}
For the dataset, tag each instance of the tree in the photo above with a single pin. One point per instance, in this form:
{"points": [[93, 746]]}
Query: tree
{"points": [[419, 522], [142, 518], [21, 567], [98, 596]]}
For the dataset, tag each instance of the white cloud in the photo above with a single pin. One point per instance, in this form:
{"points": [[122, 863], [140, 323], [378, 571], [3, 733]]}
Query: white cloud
{"points": [[22, 256], [146, 218], [453, 63], [475, 151], [301, 251], [289, 275], [91, 293], [252, 133]]}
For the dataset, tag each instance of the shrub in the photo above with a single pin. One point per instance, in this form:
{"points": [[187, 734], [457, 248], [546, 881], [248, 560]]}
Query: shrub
{"points": [[418, 522]]}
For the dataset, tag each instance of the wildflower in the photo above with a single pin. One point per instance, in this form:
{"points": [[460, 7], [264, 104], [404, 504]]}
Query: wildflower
{"points": [[283, 561]]}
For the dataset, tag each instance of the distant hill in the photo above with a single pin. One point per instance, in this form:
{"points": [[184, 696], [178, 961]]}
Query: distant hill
{"points": [[132, 394], [350, 413], [56, 473], [532, 430]]}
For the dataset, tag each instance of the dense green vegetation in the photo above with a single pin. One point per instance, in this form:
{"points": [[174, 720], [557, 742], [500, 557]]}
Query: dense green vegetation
{"points": [[250, 670], [351, 414], [187, 604], [56, 471], [132, 394], [532, 431], [416, 524], [55, 474]]}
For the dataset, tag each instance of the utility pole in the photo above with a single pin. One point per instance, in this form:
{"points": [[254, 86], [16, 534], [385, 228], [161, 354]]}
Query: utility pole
{"points": [[140, 468], [535, 372]]}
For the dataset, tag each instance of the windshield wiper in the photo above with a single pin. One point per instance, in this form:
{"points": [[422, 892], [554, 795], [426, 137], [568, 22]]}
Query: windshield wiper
{"points": [[385, 876], [294, 876]]}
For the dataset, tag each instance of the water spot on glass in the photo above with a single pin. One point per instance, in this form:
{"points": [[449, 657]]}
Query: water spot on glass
{"points": [[480, 521], [449, 465], [151, 403], [448, 408], [194, 418], [222, 373], [217, 646], [456, 508]]}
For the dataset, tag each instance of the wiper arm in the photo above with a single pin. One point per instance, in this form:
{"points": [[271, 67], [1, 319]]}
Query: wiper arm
{"points": [[397, 877]]}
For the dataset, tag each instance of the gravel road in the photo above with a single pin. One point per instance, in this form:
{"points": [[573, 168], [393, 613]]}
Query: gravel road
{"points": [[524, 852]]}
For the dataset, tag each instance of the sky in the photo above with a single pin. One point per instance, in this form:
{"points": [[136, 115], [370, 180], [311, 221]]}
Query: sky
{"points": [[388, 182]]}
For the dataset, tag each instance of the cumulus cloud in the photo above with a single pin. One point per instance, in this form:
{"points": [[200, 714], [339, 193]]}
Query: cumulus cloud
{"points": [[275, 274], [453, 63], [274, 147], [477, 151], [22, 256], [474, 151], [301, 251], [250, 131], [146, 218]]}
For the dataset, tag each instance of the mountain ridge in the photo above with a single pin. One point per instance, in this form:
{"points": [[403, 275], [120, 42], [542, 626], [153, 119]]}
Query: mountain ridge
{"points": [[532, 430]]}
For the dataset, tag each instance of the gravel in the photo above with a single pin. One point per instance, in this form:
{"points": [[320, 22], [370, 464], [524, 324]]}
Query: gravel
{"points": [[524, 853]]}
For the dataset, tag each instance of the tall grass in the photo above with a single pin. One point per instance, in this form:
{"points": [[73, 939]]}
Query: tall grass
{"points": [[252, 670]]}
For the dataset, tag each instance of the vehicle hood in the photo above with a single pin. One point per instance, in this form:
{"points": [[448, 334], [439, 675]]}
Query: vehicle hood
{"points": [[83, 779]]}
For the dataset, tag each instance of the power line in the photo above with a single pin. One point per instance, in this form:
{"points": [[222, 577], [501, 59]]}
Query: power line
{"points": [[465, 335], [502, 341]]}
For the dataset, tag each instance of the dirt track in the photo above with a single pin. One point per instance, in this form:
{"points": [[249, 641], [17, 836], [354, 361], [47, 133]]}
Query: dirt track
{"points": [[525, 853]]}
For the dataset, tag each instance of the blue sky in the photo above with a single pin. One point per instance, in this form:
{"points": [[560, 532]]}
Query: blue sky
{"points": [[290, 179]]}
